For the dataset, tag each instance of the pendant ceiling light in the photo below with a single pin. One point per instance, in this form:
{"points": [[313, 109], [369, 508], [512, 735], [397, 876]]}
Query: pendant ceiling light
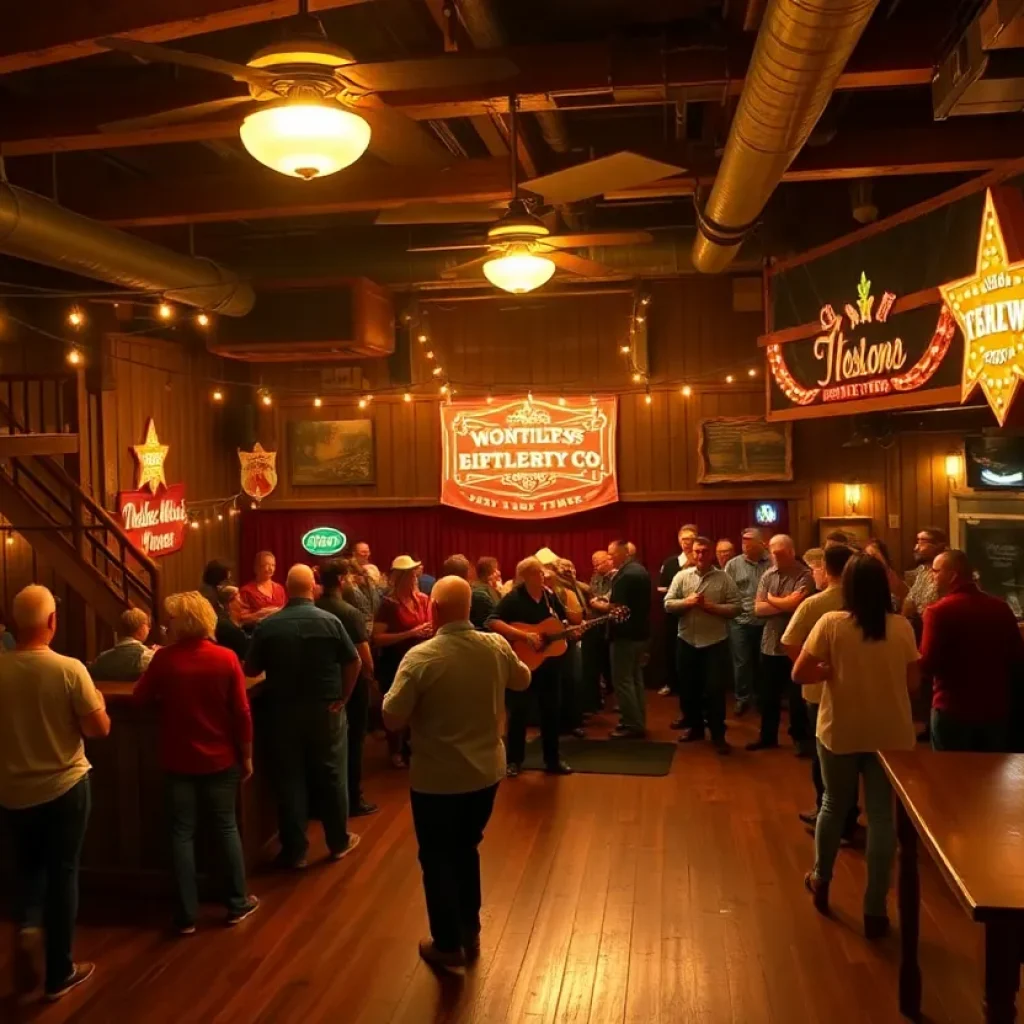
{"points": [[519, 270], [305, 140]]}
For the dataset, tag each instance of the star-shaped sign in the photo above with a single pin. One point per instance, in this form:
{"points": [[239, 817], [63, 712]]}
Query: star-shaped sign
{"points": [[989, 309], [151, 455]]}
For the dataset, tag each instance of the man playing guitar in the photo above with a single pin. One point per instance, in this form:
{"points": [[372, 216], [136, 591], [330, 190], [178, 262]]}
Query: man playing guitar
{"points": [[531, 603]]}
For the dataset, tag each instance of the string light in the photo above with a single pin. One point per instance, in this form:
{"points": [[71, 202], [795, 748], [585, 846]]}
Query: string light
{"points": [[234, 511], [637, 377], [407, 397], [318, 402], [220, 517], [362, 403], [203, 320], [443, 389], [217, 395], [10, 539], [751, 372], [729, 379], [422, 339], [254, 505], [265, 397], [648, 398], [194, 524], [561, 400], [639, 319], [74, 356], [624, 349], [165, 311], [645, 300], [76, 317], [687, 391], [490, 399], [428, 354], [437, 371]]}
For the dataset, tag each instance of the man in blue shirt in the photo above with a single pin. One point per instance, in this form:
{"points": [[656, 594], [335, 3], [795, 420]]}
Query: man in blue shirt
{"points": [[745, 630], [311, 667]]}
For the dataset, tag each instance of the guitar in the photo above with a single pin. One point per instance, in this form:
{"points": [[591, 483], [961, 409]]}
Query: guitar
{"points": [[555, 634]]}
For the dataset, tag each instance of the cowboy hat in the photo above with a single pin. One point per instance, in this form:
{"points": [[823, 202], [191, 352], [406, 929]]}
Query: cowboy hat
{"points": [[546, 556], [403, 563]]}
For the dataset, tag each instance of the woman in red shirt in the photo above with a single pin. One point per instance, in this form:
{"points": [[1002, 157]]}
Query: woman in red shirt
{"points": [[262, 596], [205, 747], [403, 620]]}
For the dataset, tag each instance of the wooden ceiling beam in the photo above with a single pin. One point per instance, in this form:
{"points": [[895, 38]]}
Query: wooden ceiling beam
{"points": [[69, 28], [963, 145], [551, 77]]}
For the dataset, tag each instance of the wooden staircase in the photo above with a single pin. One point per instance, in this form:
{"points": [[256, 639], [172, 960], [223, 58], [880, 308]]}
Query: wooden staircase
{"points": [[43, 449]]}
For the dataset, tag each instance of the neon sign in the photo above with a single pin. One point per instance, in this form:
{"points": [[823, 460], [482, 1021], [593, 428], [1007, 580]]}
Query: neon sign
{"points": [[989, 308], [849, 361]]}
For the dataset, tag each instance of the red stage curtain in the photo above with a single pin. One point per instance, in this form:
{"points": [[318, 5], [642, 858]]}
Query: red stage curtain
{"points": [[434, 533]]}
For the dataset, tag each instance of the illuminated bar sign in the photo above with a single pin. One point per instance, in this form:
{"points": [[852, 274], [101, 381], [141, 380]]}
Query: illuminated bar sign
{"points": [[324, 541], [863, 350], [989, 306], [518, 458], [154, 515]]}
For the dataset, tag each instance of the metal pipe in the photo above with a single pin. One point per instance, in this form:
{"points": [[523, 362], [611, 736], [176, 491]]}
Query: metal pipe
{"points": [[801, 50], [36, 229]]}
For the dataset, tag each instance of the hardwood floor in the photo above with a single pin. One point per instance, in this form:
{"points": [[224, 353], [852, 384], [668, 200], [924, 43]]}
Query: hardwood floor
{"points": [[607, 899]]}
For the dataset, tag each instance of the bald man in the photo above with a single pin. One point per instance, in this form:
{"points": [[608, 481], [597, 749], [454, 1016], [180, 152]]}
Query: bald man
{"points": [[450, 691], [311, 668], [781, 590], [48, 703]]}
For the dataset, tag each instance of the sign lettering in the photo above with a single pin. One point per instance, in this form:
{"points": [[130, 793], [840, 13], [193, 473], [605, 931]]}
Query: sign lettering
{"points": [[324, 541], [528, 457], [155, 525]]}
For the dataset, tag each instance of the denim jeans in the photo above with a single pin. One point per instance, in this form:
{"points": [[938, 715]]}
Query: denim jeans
{"points": [[628, 682], [47, 849], [745, 644], [818, 782], [218, 791], [309, 744], [702, 680], [950, 733], [449, 828], [841, 773]]}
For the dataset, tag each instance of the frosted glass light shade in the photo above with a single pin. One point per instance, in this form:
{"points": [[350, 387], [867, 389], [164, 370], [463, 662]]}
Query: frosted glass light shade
{"points": [[519, 272], [305, 140]]}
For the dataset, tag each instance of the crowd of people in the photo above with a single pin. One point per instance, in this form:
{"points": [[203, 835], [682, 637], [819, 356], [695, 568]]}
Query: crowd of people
{"points": [[837, 636]]}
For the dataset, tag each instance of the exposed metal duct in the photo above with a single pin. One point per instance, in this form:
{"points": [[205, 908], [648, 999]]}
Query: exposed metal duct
{"points": [[36, 229], [481, 24], [801, 50]]}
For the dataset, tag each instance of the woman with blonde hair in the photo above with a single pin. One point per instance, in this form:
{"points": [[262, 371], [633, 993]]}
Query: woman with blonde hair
{"points": [[402, 621], [199, 692]]}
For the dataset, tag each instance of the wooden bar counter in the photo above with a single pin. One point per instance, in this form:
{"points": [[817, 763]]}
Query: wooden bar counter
{"points": [[127, 845]]}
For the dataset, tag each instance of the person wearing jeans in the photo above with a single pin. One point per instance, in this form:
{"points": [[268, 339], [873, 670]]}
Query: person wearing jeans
{"points": [[745, 630], [449, 692], [48, 703], [705, 598], [631, 589], [867, 659], [311, 668], [198, 690]]}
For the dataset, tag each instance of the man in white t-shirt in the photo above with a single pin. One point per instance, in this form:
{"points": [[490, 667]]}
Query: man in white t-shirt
{"points": [[48, 703], [450, 691], [827, 568]]}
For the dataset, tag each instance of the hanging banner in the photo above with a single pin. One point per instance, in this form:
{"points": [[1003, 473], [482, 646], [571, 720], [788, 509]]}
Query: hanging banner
{"points": [[528, 458], [989, 304], [864, 350], [155, 523]]}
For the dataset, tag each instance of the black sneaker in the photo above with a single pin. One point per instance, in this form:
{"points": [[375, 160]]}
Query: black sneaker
{"points": [[361, 809], [512, 770], [252, 904], [353, 842], [79, 973], [558, 768]]}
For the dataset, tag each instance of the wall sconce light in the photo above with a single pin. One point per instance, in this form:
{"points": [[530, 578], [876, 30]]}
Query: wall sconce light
{"points": [[852, 493], [954, 466]]}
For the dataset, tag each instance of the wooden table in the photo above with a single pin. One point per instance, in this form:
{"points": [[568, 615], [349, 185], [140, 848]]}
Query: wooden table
{"points": [[968, 812]]}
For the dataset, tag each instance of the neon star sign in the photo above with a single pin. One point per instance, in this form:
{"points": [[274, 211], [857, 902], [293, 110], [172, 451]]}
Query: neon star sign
{"points": [[989, 309]]}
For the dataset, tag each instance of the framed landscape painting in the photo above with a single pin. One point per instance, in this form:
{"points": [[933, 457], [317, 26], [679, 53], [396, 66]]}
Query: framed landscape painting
{"points": [[331, 453]]}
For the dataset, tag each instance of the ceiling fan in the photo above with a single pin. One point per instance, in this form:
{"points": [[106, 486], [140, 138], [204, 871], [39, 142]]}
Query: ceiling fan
{"points": [[521, 252], [317, 110]]}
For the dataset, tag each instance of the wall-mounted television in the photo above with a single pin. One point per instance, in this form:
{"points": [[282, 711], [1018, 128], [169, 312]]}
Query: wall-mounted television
{"points": [[995, 462]]}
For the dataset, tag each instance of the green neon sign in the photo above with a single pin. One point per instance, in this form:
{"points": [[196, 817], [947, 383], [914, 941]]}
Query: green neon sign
{"points": [[324, 540]]}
